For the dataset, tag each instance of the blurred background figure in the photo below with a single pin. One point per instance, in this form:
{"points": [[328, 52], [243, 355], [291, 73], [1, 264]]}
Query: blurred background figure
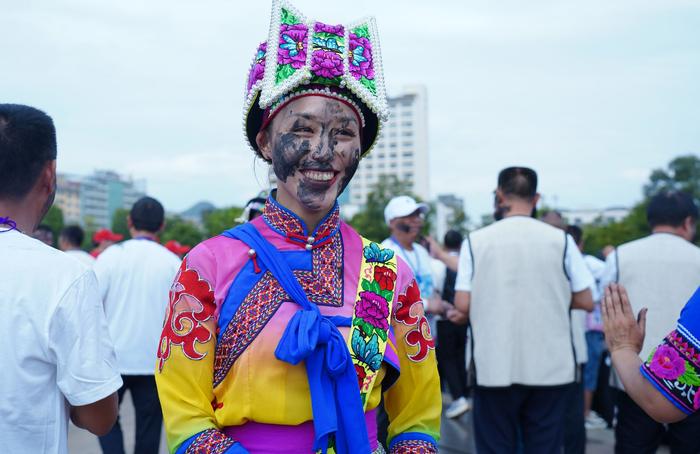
{"points": [[69, 241], [510, 285], [452, 337], [595, 341], [176, 248], [405, 218], [253, 209], [660, 273], [44, 234], [134, 279], [102, 239], [56, 361], [554, 218]]}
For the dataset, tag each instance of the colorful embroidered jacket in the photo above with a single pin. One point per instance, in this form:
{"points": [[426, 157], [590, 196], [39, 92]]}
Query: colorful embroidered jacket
{"points": [[674, 366], [222, 388]]}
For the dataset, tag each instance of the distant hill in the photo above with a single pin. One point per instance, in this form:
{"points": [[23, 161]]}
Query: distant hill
{"points": [[197, 211]]}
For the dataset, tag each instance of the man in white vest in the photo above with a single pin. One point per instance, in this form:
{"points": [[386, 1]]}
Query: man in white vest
{"points": [[660, 272], [517, 281]]}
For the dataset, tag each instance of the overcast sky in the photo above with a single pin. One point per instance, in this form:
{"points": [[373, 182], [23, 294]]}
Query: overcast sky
{"points": [[592, 94]]}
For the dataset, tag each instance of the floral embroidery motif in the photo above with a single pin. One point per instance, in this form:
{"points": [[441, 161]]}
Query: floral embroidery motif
{"points": [[420, 335], [210, 442], [258, 70], [673, 366], [413, 447], [361, 63], [370, 324], [328, 46], [667, 363], [191, 305], [292, 47]]}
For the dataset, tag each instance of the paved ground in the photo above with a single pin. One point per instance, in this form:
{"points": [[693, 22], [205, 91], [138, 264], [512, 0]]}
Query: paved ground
{"points": [[456, 436]]}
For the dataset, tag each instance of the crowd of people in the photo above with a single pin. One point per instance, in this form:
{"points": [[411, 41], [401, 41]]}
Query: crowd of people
{"points": [[291, 332]]}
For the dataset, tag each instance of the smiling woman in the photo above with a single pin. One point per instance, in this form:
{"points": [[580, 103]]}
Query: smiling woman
{"points": [[282, 335]]}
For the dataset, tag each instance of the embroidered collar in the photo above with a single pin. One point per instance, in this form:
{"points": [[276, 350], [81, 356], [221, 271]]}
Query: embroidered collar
{"points": [[289, 225]]}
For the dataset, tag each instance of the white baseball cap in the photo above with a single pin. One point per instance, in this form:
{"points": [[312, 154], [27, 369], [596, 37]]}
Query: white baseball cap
{"points": [[401, 206]]}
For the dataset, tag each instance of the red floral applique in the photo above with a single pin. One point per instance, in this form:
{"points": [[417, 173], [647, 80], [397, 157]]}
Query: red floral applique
{"points": [[191, 304], [419, 336], [385, 277]]}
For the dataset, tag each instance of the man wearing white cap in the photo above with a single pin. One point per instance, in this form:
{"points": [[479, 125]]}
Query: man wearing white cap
{"points": [[405, 218]]}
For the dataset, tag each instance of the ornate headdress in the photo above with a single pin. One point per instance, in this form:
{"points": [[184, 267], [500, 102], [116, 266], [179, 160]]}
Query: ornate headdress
{"points": [[303, 57]]}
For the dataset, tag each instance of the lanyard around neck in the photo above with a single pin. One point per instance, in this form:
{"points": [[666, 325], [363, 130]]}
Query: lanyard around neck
{"points": [[11, 224], [415, 268]]}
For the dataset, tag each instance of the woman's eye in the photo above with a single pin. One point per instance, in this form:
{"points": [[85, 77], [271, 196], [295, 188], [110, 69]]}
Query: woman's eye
{"points": [[302, 129], [346, 132]]}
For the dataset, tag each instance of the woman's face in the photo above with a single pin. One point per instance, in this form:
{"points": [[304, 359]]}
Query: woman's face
{"points": [[314, 146]]}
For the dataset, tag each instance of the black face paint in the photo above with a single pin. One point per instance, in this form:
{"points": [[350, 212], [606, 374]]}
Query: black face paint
{"points": [[350, 171], [287, 153]]}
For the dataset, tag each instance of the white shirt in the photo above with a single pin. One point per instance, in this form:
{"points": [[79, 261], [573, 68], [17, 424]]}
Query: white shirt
{"points": [[134, 278], [419, 261], [56, 346], [579, 275], [82, 256]]}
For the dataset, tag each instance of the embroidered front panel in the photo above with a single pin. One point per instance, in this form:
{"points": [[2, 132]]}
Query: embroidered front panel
{"points": [[409, 311], [674, 366], [191, 307], [372, 314], [288, 224], [210, 442], [413, 447], [323, 285]]}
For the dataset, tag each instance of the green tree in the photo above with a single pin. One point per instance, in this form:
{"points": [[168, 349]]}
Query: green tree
{"points": [[369, 221], [54, 219], [219, 220], [681, 174], [458, 220], [178, 229], [119, 223]]}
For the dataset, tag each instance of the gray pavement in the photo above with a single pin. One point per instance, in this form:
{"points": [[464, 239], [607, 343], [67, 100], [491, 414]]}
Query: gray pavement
{"points": [[457, 437]]}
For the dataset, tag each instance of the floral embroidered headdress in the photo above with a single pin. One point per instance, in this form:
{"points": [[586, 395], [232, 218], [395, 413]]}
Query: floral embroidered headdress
{"points": [[303, 57]]}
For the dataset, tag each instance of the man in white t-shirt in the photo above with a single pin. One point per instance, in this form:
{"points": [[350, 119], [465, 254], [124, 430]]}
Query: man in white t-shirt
{"points": [[56, 357], [134, 279], [405, 218], [517, 280], [69, 241]]}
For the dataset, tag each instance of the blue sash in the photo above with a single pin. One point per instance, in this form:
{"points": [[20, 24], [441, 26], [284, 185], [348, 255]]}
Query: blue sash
{"points": [[315, 339]]}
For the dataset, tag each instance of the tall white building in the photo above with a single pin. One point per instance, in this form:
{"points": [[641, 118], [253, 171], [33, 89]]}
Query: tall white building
{"points": [[402, 150]]}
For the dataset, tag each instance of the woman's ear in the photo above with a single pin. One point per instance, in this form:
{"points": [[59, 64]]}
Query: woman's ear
{"points": [[263, 141]]}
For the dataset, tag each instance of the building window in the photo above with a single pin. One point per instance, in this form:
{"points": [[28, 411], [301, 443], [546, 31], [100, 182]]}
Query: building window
{"points": [[392, 165], [393, 145], [407, 133], [407, 124], [407, 144]]}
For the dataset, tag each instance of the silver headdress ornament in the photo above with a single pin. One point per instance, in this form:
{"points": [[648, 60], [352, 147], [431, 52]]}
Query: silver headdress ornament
{"points": [[312, 58]]}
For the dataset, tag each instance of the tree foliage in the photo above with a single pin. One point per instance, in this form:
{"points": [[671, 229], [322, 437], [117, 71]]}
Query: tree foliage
{"points": [[369, 221], [54, 219], [219, 220], [119, 223], [682, 173], [178, 229]]}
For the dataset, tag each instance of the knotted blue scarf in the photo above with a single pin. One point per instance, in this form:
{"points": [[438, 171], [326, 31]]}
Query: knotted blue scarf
{"points": [[315, 339]]}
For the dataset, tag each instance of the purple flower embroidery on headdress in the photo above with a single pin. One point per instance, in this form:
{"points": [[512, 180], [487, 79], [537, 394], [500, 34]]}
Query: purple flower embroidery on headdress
{"points": [[373, 309], [292, 45], [696, 399], [360, 57], [326, 63], [258, 70], [332, 29], [667, 363]]}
